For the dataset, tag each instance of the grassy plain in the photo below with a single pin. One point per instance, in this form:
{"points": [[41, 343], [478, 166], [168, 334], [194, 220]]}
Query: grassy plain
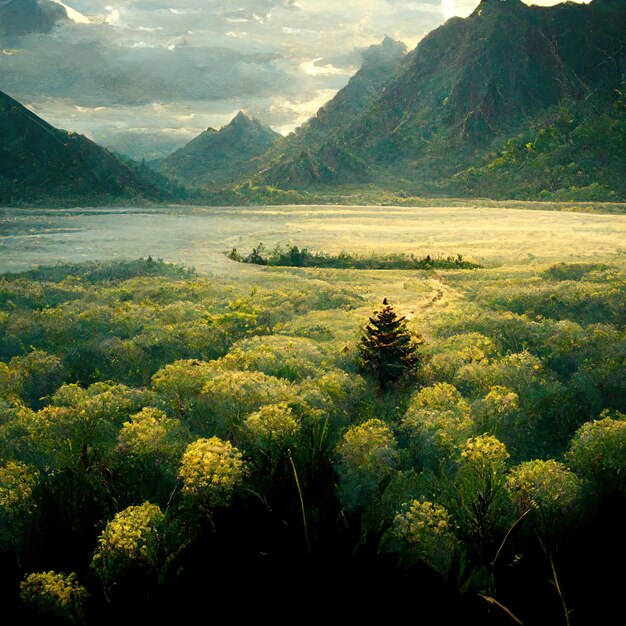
{"points": [[508, 445], [513, 244]]}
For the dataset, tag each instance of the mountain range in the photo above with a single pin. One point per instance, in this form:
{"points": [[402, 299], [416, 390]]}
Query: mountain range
{"points": [[453, 111], [514, 101]]}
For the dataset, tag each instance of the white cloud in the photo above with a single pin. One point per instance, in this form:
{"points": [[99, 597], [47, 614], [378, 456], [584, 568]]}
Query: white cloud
{"points": [[299, 110], [75, 16], [311, 68]]}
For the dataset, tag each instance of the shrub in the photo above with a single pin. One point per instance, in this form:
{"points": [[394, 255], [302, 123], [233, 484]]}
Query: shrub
{"points": [[273, 427], [129, 541], [437, 420], [367, 456], [55, 595], [598, 451], [211, 470], [545, 486], [423, 531]]}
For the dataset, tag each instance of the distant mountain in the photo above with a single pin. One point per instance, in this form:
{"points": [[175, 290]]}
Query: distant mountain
{"points": [[22, 17], [150, 146], [40, 163], [469, 87], [220, 155]]}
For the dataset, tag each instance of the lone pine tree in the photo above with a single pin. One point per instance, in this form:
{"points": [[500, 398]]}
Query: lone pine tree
{"points": [[387, 347]]}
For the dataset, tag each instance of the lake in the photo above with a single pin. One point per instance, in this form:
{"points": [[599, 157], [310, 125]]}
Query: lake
{"points": [[198, 236]]}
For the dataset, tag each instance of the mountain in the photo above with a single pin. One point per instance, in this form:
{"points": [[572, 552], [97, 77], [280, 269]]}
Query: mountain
{"points": [[311, 154], [40, 163], [470, 87], [22, 17], [220, 155]]}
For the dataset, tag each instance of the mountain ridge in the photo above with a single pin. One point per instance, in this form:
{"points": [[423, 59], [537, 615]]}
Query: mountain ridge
{"points": [[468, 87], [220, 155], [39, 162]]}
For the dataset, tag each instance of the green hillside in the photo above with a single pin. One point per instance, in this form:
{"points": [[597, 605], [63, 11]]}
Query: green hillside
{"points": [[41, 163], [220, 155], [473, 89]]}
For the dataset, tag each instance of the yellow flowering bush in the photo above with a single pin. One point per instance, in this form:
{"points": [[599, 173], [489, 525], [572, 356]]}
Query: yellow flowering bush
{"points": [[337, 393], [293, 358], [211, 470], [598, 451], [369, 446], [544, 485], [457, 351], [232, 395], [17, 483], [55, 595], [272, 426], [478, 486], [181, 383], [367, 455], [150, 433], [497, 410], [130, 539], [438, 418], [423, 530], [484, 455]]}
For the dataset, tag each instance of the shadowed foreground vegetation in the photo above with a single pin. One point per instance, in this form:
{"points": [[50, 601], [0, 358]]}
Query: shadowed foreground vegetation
{"points": [[169, 441]]}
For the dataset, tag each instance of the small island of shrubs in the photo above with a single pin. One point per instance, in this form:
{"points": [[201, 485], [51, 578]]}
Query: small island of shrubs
{"points": [[293, 256]]}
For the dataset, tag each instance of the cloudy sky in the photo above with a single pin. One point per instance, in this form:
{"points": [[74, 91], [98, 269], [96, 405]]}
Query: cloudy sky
{"points": [[145, 76]]}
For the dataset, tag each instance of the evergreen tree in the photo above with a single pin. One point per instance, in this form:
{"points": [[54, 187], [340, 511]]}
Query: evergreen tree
{"points": [[387, 348]]}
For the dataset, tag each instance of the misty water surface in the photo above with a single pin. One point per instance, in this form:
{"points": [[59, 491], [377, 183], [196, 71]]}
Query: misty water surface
{"points": [[199, 236]]}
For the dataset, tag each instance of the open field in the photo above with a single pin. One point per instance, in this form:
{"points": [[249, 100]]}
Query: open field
{"points": [[513, 244], [498, 460]]}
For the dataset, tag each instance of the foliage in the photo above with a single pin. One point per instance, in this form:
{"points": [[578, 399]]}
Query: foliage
{"points": [[129, 541], [291, 358], [547, 486], [272, 427], [296, 257], [478, 490], [151, 434], [36, 375], [211, 471], [200, 397], [367, 455], [574, 271], [55, 595], [437, 420], [497, 411], [387, 349], [598, 451], [424, 531], [17, 486], [93, 272]]}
